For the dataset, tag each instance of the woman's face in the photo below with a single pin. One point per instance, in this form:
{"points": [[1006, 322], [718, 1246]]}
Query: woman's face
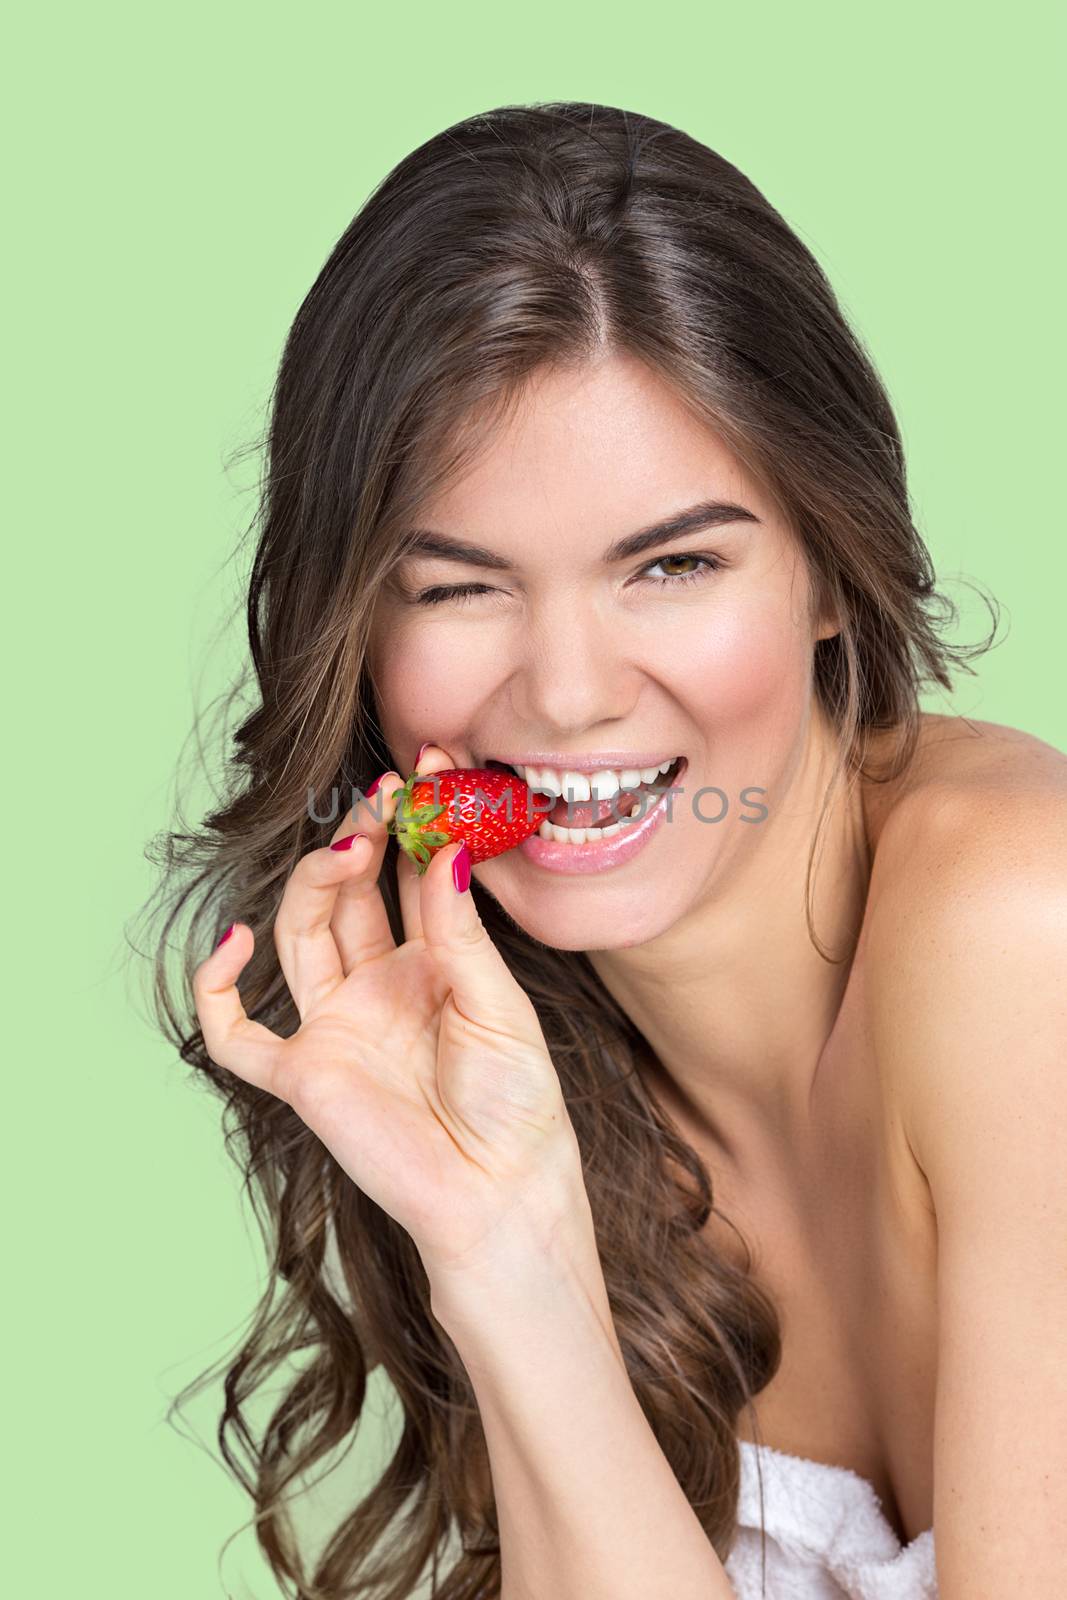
{"points": [[698, 646]]}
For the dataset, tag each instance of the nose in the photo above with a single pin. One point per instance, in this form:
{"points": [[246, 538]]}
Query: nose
{"points": [[575, 672]]}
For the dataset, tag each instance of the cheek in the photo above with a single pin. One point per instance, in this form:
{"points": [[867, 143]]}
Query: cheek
{"points": [[430, 681], [749, 667]]}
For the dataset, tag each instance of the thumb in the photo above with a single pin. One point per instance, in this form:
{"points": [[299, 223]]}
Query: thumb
{"points": [[483, 988]]}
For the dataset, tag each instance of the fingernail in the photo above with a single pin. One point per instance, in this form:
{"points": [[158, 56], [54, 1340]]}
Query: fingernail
{"points": [[374, 786], [226, 935], [461, 868], [348, 841], [422, 749]]}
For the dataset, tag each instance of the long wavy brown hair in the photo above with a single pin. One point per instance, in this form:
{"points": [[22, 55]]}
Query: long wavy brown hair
{"points": [[524, 237]]}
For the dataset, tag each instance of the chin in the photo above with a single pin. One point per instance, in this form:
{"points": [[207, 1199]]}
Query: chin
{"points": [[582, 926]]}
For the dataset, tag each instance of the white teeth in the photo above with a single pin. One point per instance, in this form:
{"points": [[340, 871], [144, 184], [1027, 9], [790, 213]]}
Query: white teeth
{"points": [[604, 785], [554, 833], [575, 786], [542, 778], [583, 786], [549, 830]]}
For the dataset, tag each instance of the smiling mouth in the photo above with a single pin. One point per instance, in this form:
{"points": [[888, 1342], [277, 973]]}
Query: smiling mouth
{"points": [[577, 814]]}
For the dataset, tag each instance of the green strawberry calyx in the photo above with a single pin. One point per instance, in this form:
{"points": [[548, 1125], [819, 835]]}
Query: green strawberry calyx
{"points": [[410, 825]]}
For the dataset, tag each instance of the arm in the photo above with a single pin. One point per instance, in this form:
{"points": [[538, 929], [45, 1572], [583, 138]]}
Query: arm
{"points": [[587, 1504], [972, 1012]]}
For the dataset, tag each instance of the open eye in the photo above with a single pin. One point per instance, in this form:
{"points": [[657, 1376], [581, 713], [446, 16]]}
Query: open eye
{"points": [[707, 564]]}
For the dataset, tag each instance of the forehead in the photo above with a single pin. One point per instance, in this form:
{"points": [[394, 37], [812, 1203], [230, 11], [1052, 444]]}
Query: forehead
{"points": [[590, 453]]}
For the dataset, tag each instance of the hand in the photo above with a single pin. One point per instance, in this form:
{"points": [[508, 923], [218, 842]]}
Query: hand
{"points": [[423, 1067]]}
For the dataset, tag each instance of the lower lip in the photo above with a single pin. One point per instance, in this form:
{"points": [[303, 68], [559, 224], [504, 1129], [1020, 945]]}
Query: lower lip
{"points": [[575, 859]]}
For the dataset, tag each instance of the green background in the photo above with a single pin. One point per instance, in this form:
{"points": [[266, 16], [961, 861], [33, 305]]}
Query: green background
{"points": [[177, 179]]}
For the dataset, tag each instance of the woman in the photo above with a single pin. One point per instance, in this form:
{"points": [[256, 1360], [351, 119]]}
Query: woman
{"points": [[672, 1180]]}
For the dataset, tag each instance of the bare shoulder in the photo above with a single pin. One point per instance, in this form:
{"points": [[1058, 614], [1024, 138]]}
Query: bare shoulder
{"points": [[967, 1019], [981, 808], [959, 764], [969, 865]]}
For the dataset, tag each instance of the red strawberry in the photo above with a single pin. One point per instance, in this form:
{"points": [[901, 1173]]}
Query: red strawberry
{"points": [[490, 811]]}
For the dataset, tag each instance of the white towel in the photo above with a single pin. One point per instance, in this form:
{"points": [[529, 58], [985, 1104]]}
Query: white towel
{"points": [[828, 1537]]}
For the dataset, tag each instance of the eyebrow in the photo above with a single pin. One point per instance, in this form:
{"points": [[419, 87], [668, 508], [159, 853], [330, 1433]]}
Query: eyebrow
{"points": [[694, 519]]}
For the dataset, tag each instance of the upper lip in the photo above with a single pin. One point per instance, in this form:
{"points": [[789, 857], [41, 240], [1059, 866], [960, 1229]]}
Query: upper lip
{"points": [[607, 760]]}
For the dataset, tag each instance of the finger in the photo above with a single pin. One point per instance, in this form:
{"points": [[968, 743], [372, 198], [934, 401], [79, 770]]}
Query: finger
{"points": [[483, 988], [231, 1038], [433, 758], [359, 922], [307, 950]]}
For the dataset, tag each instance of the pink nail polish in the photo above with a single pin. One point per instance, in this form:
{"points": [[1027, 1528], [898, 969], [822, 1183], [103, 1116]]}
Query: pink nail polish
{"points": [[461, 869], [348, 841], [374, 786], [422, 749], [226, 935]]}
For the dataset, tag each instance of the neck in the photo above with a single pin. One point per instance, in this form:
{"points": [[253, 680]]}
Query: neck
{"points": [[735, 1000]]}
